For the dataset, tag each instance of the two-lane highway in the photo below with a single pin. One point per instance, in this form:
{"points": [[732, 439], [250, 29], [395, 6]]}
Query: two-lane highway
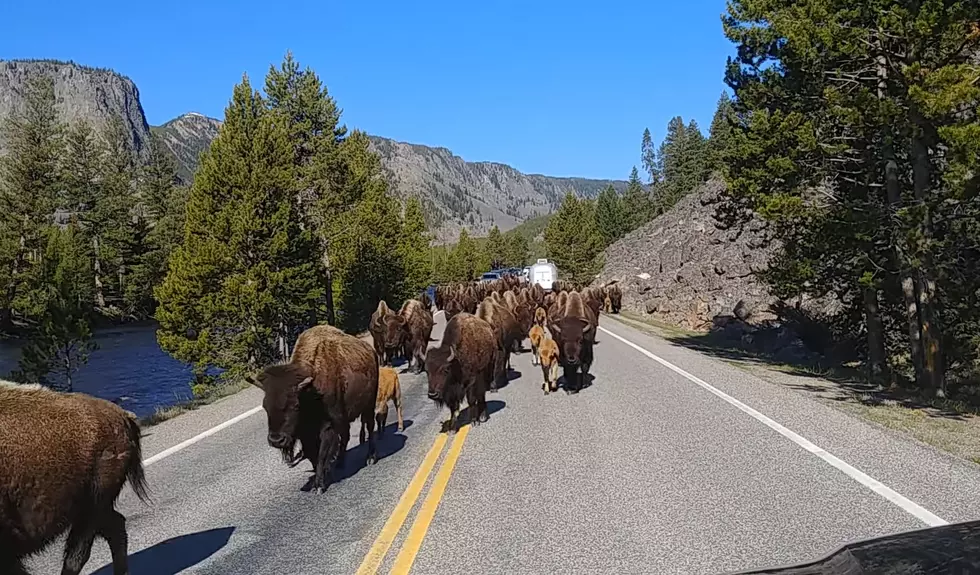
{"points": [[669, 463]]}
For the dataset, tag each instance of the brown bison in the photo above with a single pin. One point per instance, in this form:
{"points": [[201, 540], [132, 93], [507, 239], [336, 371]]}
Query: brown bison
{"points": [[387, 329], [574, 334], [331, 379], [462, 366], [615, 294], [453, 307], [417, 326], [64, 458], [389, 389], [507, 333], [548, 359]]}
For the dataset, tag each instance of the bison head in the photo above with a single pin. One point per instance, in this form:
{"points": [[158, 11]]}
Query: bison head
{"points": [[570, 334], [282, 386], [442, 367]]}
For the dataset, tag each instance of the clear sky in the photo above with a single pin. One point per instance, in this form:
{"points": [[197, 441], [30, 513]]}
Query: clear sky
{"points": [[562, 88]]}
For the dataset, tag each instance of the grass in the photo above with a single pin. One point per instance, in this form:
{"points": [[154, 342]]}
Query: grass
{"points": [[950, 425], [214, 394]]}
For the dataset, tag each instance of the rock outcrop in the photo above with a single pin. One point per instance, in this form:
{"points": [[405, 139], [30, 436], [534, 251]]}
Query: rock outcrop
{"points": [[93, 95], [685, 269]]}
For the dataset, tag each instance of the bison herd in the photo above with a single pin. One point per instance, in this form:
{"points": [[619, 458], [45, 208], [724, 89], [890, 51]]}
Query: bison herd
{"points": [[331, 379]]}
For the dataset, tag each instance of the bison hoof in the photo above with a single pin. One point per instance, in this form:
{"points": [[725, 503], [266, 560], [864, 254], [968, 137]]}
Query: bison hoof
{"points": [[372, 459], [319, 490], [484, 417]]}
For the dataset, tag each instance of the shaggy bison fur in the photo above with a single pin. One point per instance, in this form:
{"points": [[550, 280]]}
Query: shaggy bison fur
{"points": [[64, 458], [418, 325], [574, 333], [462, 366], [388, 390], [330, 380]]}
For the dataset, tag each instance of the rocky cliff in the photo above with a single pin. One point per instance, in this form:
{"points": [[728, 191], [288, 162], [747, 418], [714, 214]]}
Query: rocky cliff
{"points": [[476, 195], [93, 95], [685, 269], [186, 137], [455, 193]]}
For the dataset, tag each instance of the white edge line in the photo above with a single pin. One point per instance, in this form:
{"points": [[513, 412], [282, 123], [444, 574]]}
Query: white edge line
{"points": [[184, 444], [906, 504]]}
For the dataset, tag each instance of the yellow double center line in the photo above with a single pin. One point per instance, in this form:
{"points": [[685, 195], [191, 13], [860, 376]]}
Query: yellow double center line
{"points": [[413, 541]]}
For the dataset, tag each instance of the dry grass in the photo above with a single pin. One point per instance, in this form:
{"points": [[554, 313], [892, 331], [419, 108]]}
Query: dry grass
{"points": [[213, 395]]}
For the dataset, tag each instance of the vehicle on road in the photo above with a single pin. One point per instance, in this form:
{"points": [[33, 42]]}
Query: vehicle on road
{"points": [[543, 273], [489, 277]]}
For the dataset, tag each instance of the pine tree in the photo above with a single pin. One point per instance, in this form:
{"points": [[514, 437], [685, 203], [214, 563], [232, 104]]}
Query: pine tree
{"points": [[156, 230], [518, 249], [648, 154], [414, 250], [719, 134], [244, 281], [637, 205], [610, 216], [60, 341], [370, 267], [317, 136], [81, 163], [29, 184], [464, 260], [573, 241], [496, 249]]}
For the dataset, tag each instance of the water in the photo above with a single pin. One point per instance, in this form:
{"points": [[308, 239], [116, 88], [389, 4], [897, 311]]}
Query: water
{"points": [[129, 368]]}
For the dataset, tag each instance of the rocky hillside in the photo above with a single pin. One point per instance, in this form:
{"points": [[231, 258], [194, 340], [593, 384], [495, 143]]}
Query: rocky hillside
{"points": [[187, 136], [684, 269], [86, 94], [456, 193], [474, 194]]}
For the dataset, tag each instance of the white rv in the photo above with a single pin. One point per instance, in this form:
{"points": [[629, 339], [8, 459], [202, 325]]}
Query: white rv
{"points": [[543, 273]]}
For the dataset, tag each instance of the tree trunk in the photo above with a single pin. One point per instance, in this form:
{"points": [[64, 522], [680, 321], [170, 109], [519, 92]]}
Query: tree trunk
{"points": [[893, 194], [876, 335], [935, 372], [99, 295]]}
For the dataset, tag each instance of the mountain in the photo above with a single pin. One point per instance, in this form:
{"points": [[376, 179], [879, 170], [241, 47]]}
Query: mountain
{"points": [[82, 93], [455, 193], [186, 137]]}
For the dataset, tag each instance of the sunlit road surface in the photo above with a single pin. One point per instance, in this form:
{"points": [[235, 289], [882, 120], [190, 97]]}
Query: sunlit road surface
{"points": [[670, 462]]}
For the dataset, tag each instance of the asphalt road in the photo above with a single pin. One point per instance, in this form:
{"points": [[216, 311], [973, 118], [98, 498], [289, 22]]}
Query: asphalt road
{"points": [[671, 462]]}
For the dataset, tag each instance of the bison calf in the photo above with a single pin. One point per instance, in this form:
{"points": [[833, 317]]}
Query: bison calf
{"points": [[548, 358], [64, 458], [388, 390], [537, 336]]}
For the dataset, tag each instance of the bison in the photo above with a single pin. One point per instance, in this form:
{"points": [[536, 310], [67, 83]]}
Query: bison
{"points": [[417, 327], [537, 335], [387, 329], [574, 333], [615, 294], [507, 333], [64, 458], [389, 389], [462, 366], [540, 315], [331, 379], [548, 359]]}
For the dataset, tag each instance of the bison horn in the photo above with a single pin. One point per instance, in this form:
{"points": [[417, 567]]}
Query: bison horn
{"points": [[305, 382], [452, 353]]}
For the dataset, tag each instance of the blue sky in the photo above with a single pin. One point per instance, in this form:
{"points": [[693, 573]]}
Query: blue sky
{"points": [[559, 88]]}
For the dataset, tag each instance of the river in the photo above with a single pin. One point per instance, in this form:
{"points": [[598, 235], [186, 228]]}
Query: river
{"points": [[129, 368]]}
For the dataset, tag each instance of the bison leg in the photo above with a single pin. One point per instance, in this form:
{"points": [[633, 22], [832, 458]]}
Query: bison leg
{"points": [[78, 548], [571, 379], [382, 418], [329, 447], [367, 418], [398, 409], [113, 530], [344, 435], [546, 370]]}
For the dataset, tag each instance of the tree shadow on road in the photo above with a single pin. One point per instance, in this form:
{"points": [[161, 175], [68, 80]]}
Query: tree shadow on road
{"points": [[176, 554], [779, 348]]}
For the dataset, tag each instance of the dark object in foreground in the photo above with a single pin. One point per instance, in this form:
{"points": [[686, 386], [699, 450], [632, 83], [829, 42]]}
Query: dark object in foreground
{"points": [[948, 549], [331, 380], [64, 458]]}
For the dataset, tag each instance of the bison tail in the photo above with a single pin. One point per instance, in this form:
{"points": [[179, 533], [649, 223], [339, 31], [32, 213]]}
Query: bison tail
{"points": [[134, 473]]}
